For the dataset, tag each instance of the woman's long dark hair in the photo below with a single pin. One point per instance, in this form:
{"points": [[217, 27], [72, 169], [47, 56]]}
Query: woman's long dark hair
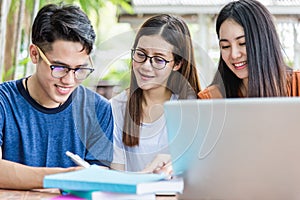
{"points": [[266, 68], [183, 82]]}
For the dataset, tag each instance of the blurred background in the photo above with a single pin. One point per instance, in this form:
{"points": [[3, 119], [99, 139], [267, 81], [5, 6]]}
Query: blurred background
{"points": [[116, 22]]}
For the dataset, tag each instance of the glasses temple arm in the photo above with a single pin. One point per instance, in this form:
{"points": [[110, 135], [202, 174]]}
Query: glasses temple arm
{"points": [[91, 61]]}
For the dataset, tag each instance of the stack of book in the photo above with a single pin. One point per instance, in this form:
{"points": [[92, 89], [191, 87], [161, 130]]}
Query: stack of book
{"points": [[98, 183]]}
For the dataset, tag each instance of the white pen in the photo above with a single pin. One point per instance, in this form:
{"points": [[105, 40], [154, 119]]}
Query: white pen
{"points": [[76, 159]]}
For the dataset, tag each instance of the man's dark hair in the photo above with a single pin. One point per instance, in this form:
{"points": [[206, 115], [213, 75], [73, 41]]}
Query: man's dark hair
{"points": [[62, 22]]}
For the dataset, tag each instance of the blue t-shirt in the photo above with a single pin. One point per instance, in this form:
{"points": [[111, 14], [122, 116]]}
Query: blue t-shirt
{"points": [[37, 136]]}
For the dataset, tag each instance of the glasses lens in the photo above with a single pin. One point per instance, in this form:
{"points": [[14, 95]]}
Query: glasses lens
{"points": [[139, 56], [158, 62], [83, 73], [59, 71]]}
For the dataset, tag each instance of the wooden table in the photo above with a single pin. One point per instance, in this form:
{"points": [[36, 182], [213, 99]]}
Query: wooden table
{"points": [[44, 194]]}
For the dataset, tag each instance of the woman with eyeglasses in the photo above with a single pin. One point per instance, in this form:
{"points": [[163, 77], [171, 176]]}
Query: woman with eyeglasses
{"points": [[251, 62], [162, 69]]}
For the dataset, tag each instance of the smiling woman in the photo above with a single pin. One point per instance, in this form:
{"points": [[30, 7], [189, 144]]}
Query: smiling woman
{"points": [[233, 48], [162, 69], [251, 63]]}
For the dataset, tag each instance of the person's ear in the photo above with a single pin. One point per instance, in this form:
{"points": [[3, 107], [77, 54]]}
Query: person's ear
{"points": [[34, 54], [177, 66]]}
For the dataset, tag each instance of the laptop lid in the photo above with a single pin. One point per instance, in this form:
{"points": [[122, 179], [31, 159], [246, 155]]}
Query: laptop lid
{"points": [[236, 148]]}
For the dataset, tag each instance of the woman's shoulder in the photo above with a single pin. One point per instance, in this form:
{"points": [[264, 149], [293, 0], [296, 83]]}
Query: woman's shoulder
{"points": [[293, 86], [120, 99], [295, 76], [296, 73], [122, 96], [211, 92]]}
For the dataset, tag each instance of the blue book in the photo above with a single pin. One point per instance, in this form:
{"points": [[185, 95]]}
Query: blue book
{"points": [[98, 179]]}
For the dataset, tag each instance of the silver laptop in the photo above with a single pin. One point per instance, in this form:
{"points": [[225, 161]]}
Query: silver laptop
{"points": [[236, 148]]}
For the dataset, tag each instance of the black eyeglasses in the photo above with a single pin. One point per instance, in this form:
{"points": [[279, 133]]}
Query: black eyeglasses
{"points": [[59, 71], [157, 62]]}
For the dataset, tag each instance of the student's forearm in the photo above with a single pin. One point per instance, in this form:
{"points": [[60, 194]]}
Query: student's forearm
{"points": [[116, 166], [17, 176]]}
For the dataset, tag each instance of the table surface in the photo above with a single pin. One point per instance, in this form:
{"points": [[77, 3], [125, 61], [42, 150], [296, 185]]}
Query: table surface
{"points": [[44, 194]]}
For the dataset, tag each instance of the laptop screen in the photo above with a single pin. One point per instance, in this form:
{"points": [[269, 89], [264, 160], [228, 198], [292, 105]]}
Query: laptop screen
{"points": [[231, 148]]}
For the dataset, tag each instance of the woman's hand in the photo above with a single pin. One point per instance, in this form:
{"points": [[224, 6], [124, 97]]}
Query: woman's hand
{"points": [[160, 164]]}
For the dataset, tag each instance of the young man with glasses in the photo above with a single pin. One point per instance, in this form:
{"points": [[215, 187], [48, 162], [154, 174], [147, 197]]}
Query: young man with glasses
{"points": [[50, 112]]}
